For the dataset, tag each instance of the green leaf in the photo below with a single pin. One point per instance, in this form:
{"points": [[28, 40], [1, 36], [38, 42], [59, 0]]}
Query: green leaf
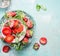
{"points": [[16, 40], [21, 14], [24, 43], [5, 16], [38, 7], [22, 33], [17, 46], [31, 32], [12, 44], [43, 7], [21, 47]]}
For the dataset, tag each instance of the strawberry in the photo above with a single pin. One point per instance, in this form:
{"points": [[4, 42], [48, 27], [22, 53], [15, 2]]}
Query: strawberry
{"points": [[6, 49], [11, 23], [11, 14], [25, 40], [6, 31], [43, 40], [14, 23], [9, 39], [36, 46], [29, 33], [25, 19], [14, 31], [19, 29], [29, 24]]}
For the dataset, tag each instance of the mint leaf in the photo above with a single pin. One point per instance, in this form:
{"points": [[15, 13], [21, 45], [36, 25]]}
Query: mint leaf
{"points": [[17, 46], [38, 7], [12, 45], [43, 7]]}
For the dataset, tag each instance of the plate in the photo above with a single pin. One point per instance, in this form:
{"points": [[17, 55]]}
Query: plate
{"points": [[7, 20]]}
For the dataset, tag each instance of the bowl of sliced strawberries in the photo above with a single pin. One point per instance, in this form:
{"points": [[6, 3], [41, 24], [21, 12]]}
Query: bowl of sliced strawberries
{"points": [[17, 29]]}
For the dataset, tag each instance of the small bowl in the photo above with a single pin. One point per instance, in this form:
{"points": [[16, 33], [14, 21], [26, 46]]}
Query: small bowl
{"points": [[5, 3]]}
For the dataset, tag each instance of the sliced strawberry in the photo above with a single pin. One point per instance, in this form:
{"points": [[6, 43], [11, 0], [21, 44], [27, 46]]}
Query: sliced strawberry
{"points": [[36, 46], [25, 40], [19, 29], [11, 23], [6, 49], [25, 19], [29, 23], [14, 23], [9, 39], [6, 31], [11, 14], [14, 31], [43, 40], [29, 33]]}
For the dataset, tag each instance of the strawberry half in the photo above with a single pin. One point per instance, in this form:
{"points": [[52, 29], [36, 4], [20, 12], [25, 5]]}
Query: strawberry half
{"points": [[29, 24], [14, 23], [9, 39], [6, 31], [43, 40], [11, 14], [18, 29], [6, 49], [25, 40], [25, 19], [29, 33]]}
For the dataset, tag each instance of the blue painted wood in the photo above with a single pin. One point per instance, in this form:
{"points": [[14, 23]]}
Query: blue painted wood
{"points": [[47, 24]]}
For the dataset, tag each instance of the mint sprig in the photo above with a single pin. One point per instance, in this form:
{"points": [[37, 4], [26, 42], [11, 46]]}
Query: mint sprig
{"points": [[39, 7], [17, 46]]}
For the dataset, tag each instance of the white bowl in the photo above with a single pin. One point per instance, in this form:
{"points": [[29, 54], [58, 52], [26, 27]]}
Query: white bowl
{"points": [[4, 3]]}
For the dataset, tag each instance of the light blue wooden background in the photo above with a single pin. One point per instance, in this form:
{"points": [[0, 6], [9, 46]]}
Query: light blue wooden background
{"points": [[47, 24]]}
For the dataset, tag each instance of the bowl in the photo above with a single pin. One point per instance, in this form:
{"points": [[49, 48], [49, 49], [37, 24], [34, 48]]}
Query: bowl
{"points": [[5, 3]]}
